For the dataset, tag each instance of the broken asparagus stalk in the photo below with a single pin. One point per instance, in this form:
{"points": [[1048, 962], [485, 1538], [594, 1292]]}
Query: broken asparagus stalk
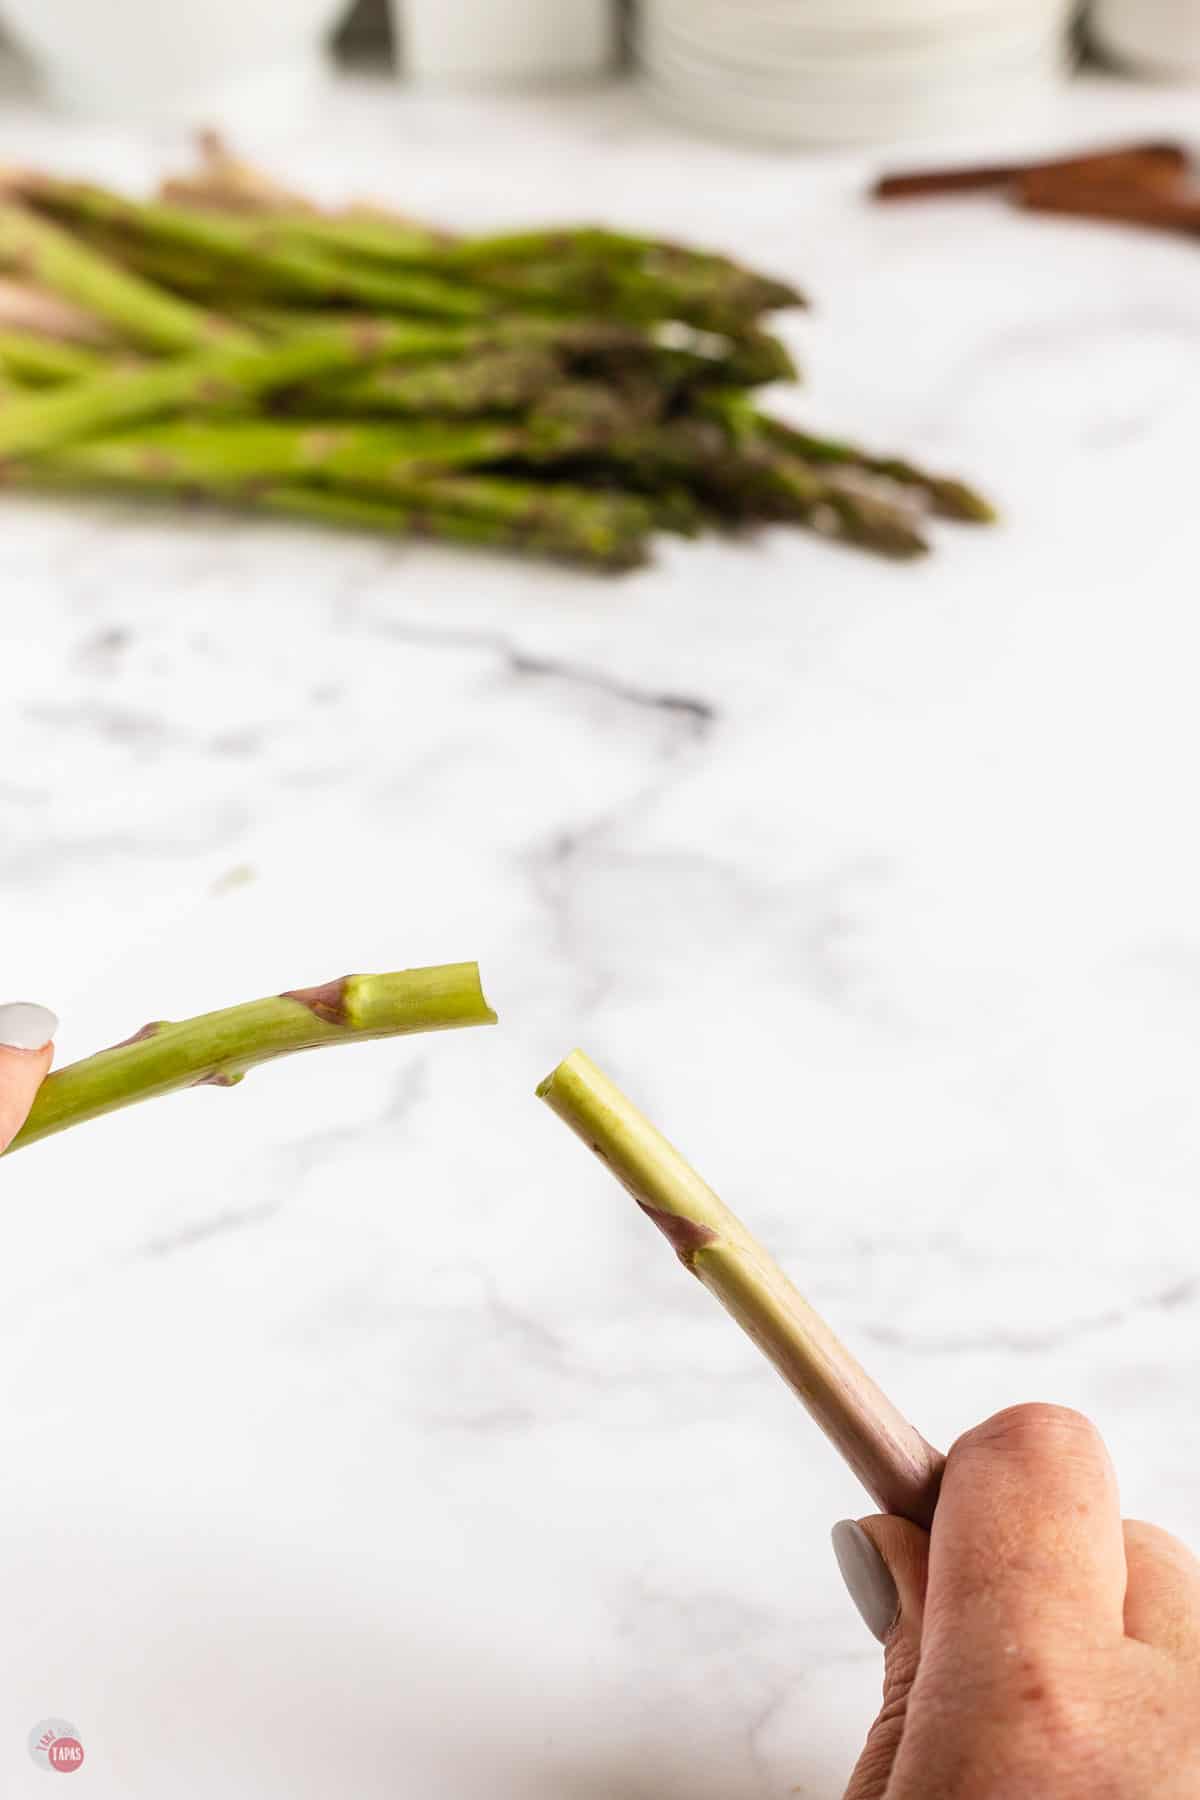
{"points": [[891, 1459], [218, 1048]]}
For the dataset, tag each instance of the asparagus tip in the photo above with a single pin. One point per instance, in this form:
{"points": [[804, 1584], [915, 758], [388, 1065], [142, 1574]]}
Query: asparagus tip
{"points": [[958, 501]]}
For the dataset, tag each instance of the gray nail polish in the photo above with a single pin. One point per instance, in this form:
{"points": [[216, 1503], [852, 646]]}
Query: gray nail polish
{"points": [[24, 1026], [866, 1576]]}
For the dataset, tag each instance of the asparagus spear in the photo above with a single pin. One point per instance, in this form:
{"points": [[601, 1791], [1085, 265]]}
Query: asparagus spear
{"points": [[239, 454], [952, 498], [277, 259], [667, 286], [891, 1459], [24, 307], [498, 380], [552, 261], [210, 381], [59, 261], [218, 1048], [603, 272], [45, 361], [616, 540], [738, 480], [839, 508], [254, 461], [513, 360], [612, 545], [227, 183]]}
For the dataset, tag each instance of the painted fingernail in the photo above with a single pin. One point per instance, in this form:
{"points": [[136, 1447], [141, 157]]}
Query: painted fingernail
{"points": [[24, 1026], [867, 1578]]}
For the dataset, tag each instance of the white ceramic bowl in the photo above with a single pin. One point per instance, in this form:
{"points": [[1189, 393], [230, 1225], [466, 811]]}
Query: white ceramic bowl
{"points": [[473, 43], [1159, 38], [169, 57], [830, 71]]}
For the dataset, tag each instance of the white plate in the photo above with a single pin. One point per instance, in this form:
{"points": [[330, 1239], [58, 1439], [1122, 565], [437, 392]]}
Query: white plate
{"points": [[660, 46], [815, 118], [990, 31], [849, 70], [744, 45], [888, 19], [887, 81]]}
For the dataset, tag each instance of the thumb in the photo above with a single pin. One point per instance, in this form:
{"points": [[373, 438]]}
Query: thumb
{"points": [[885, 1565]]}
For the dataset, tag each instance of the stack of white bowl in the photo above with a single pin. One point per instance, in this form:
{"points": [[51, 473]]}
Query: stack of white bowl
{"points": [[1150, 37], [482, 42], [839, 71]]}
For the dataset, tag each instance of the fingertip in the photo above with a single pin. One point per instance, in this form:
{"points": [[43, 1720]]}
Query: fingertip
{"points": [[26, 1052], [1028, 1528], [1162, 1590], [26, 1026], [904, 1547], [1032, 1425], [869, 1581]]}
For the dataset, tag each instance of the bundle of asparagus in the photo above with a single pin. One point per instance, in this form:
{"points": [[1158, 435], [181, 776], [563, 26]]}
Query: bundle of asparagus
{"points": [[564, 392]]}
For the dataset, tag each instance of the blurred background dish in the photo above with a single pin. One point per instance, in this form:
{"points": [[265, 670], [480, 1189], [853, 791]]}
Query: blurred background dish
{"points": [[816, 71], [147, 58], [1150, 37], [483, 41]]}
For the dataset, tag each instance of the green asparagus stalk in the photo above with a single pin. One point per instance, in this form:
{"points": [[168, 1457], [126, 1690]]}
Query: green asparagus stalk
{"points": [[234, 455], [635, 281], [26, 308], [145, 315], [218, 1048], [225, 184], [238, 244], [840, 509], [610, 547], [258, 462], [45, 361], [202, 281], [952, 498], [364, 237], [489, 381], [585, 526], [892, 1460], [237, 458], [553, 264], [575, 245], [845, 501], [710, 294], [214, 380], [738, 481]]}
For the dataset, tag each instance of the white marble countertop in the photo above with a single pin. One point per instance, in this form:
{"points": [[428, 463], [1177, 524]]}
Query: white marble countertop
{"points": [[358, 1438]]}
